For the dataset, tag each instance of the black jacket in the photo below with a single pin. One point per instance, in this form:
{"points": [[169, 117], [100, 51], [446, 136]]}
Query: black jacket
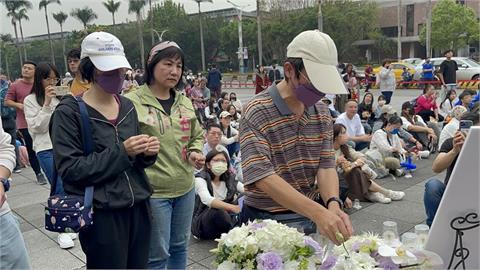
{"points": [[119, 181]]}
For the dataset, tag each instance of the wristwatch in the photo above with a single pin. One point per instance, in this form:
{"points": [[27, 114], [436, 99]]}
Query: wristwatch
{"points": [[335, 199], [5, 183]]}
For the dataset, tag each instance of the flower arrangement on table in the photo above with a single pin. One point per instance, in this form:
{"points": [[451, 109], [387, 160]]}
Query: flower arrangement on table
{"points": [[269, 245]]}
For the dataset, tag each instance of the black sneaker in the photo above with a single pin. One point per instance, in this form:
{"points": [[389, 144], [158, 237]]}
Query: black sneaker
{"points": [[17, 170], [41, 180]]}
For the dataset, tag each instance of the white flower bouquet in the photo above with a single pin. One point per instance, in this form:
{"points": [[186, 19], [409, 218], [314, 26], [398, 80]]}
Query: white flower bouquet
{"points": [[269, 245]]}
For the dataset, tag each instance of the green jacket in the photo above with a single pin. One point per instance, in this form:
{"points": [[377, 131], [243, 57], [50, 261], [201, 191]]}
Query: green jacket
{"points": [[171, 176]]}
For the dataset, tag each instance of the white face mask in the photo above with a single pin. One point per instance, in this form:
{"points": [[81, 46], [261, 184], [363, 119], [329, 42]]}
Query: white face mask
{"points": [[219, 168]]}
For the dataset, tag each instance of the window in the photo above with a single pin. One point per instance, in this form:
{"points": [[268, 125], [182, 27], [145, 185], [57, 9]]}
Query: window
{"points": [[390, 31], [410, 19], [420, 27]]}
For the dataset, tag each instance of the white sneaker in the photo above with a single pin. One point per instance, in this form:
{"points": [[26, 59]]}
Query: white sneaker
{"points": [[395, 195], [64, 241], [423, 154], [378, 197], [72, 235]]}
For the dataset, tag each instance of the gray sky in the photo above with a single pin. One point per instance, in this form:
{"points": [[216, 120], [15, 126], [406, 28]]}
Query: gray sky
{"points": [[37, 25]]}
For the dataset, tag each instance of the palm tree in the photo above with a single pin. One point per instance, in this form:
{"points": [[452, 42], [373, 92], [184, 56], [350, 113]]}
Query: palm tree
{"points": [[43, 4], [112, 7], [12, 7], [85, 15], [61, 17], [135, 6], [22, 15], [4, 39]]}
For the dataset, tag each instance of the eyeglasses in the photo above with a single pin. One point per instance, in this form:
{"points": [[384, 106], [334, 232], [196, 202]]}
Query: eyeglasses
{"points": [[52, 80]]}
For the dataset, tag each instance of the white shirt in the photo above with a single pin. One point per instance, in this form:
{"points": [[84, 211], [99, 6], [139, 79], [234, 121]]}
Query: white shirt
{"points": [[354, 126], [38, 120], [386, 78], [406, 124], [446, 108], [448, 131], [227, 141], [219, 192], [385, 146]]}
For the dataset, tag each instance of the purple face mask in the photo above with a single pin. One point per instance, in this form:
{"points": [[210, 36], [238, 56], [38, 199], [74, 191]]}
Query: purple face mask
{"points": [[308, 94], [110, 81]]}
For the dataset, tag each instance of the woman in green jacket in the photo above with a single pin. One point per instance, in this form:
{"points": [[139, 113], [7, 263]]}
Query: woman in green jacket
{"points": [[165, 113]]}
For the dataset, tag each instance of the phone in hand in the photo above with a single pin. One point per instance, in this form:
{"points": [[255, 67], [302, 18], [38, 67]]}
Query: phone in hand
{"points": [[465, 125], [62, 90]]}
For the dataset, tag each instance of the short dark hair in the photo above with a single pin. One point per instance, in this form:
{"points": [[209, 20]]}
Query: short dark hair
{"points": [[74, 53], [213, 125], [392, 120], [87, 69], [169, 52], [42, 72], [472, 116], [466, 93], [385, 61], [28, 62], [297, 64], [447, 51]]}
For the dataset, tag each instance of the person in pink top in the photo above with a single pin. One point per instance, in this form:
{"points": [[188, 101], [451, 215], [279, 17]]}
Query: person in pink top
{"points": [[199, 103], [426, 106], [14, 98]]}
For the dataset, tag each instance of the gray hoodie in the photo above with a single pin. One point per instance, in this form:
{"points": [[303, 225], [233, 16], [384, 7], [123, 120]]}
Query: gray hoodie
{"points": [[7, 160]]}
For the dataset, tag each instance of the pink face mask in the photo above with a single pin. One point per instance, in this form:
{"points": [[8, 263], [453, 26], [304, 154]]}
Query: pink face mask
{"points": [[110, 81]]}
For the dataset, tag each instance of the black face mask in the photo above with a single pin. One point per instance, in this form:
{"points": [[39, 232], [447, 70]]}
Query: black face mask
{"points": [[233, 98]]}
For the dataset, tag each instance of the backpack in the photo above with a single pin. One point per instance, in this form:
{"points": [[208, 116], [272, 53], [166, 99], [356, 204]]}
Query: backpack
{"points": [[7, 112]]}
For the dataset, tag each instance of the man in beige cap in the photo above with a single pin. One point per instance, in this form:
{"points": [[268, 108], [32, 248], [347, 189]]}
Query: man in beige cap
{"points": [[286, 142]]}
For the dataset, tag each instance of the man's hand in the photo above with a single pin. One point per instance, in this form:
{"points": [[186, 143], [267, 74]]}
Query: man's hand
{"points": [[458, 141], [3, 195], [333, 221], [196, 159]]}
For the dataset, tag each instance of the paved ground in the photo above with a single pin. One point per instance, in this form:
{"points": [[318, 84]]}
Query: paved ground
{"points": [[27, 199]]}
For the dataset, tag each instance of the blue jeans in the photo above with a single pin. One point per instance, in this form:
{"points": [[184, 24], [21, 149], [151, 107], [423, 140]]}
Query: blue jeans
{"points": [[434, 190], [388, 96], [172, 222], [13, 254], [45, 158]]}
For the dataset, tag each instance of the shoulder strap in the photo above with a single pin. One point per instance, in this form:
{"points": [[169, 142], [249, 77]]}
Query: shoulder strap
{"points": [[87, 145]]}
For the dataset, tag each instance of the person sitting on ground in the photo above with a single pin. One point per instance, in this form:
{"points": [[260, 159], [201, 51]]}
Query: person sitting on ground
{"points": [[355, 131], [223, 107], [426, 106], [196, 94], [447, 104], [465, 98], [449, 129], [331, 107], [235, 121], [217, 193], [211, 110], [353, 169], [446, 159], [230, 135], [406, 77], [213, 137], [223, 96], [378, 110], [387, 142], [426, 134], [365, 111], [236, 102]]}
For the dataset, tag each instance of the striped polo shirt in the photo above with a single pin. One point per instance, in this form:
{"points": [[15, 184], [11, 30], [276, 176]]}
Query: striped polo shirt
{"points": [[274, 142]]}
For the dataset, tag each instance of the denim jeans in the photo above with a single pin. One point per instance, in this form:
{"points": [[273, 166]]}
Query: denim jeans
{"points": [[172, 221], [434, 190], [45, 159], [13, 254], [388, 96]]}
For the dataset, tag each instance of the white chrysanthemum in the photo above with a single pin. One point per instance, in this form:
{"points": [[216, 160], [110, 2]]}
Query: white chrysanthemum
{"points": [[291, 265], [234, 237], [227, 265], [278, 238]]}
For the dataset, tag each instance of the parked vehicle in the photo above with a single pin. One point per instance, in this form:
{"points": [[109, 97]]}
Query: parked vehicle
{"points": [[468, 69], [412, 61], [398, 70]]}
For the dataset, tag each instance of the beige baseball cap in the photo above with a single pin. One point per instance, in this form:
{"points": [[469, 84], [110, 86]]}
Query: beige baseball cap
{"points": [[319, 55]]}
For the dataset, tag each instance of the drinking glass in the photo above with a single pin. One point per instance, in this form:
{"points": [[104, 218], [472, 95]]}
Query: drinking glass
{"points": [[390, 232], [422, 235], [409, 240]]}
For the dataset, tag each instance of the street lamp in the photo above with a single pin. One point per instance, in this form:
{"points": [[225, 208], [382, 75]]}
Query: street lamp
{"points": [[201, 31], [159, 36], [240, 34]]}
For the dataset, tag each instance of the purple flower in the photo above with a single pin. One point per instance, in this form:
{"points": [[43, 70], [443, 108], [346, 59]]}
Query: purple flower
{"points": [[269, 261], [356, 246], [314, 244], [329, 263], [387, 264]]}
